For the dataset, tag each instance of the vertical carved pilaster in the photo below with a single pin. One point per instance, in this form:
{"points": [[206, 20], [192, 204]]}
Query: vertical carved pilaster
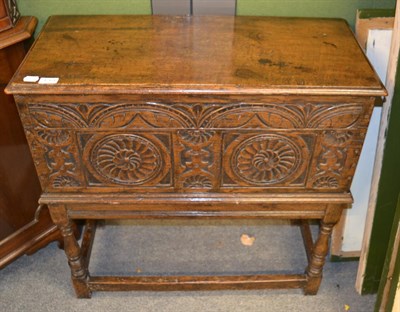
{"points": [[79, 272], [197, 156]]}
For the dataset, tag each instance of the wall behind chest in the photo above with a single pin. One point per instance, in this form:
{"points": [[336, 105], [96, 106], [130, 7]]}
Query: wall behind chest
{"points": [[321, 8], [42, 9], [310, 8]]}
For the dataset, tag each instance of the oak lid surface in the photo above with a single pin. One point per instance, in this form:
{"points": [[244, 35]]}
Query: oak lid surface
{"points": [[164, 54]]}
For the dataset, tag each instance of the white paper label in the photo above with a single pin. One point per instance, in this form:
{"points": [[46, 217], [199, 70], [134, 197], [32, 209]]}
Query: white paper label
{"points": [[48, 80], [31, 78]]}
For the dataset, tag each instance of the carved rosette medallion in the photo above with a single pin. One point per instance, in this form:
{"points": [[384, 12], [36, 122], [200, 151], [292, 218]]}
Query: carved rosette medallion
{"points": [[126, 159], [266, 159]]}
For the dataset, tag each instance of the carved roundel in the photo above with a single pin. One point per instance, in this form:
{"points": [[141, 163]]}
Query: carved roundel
{"points": [[266, 159], [126, 159]]}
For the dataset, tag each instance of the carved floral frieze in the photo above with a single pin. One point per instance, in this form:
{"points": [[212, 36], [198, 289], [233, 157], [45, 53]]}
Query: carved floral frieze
{"points": [[212, 116]]}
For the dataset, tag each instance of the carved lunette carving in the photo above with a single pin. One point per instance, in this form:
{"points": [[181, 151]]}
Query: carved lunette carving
{"points": [[158, 115], [284, 116], [197, 182]]}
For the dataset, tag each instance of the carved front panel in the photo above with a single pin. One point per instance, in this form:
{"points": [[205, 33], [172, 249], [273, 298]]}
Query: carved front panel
{"points": [[199, 146]]}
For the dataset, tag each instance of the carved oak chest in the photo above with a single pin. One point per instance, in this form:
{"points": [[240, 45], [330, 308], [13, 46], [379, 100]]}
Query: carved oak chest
{"points": [[150, 116]]}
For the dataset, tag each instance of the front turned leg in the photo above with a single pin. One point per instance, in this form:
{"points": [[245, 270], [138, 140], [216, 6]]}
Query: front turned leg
{"points": [[79, 272], [317, 261]]}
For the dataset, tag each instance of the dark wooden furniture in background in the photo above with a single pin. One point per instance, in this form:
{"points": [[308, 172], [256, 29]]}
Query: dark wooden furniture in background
{"points": [[23, 227], [9, 14], [217, 117]]}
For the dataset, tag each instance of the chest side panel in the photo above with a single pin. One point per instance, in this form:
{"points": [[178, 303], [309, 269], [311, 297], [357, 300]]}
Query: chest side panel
{"points": [[195, 144]]}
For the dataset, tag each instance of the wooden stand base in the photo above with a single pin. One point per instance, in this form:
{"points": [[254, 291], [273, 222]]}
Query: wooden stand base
{"points": [[65, 209], [306, 281]]}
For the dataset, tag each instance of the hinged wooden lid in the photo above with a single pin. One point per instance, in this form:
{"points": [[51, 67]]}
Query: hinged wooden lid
{"points": [[199, 55]]}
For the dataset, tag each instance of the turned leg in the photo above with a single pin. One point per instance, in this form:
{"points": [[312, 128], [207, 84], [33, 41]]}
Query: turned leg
{"points": [[320, 249], [79, 271], [317, 261]]}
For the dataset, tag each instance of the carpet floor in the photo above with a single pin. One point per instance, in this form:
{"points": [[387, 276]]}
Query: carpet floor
{"points": [[41, 282]]}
